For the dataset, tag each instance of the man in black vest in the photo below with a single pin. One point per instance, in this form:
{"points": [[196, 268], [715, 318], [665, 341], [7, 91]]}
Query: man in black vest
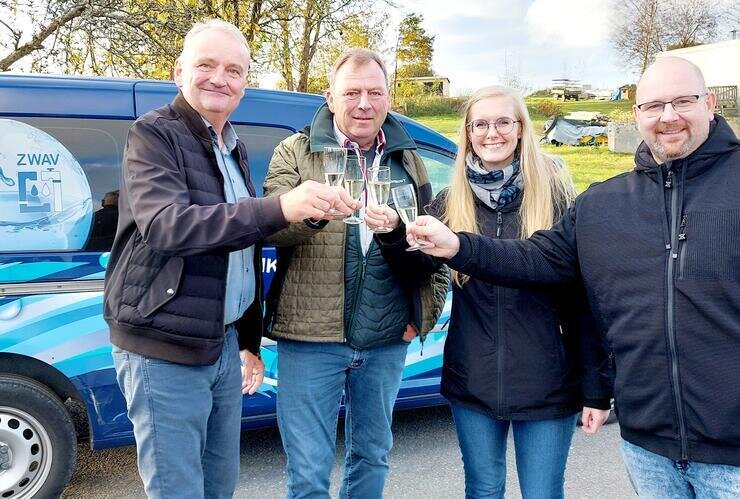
{"points": [[183, 287]]}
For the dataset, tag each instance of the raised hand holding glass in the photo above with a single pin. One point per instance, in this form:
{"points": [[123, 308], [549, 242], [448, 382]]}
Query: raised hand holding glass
{"points": [[404, 197], [379, 185]]}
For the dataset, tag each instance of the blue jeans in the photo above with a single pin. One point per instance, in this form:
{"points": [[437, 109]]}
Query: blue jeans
{"points": [[541, 453], [187, 421], [655, 476], [311, 379]]}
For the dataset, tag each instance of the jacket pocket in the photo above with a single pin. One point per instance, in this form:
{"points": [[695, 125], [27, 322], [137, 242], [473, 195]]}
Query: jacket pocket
{"points": [[710, 250], [163, 288]]}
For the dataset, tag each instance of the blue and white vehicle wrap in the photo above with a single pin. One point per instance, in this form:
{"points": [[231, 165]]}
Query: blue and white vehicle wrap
{"points": [[51, 287]]}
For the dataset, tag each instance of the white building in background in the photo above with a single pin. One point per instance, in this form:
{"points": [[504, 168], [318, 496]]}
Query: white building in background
{"points": [[720, 62]]}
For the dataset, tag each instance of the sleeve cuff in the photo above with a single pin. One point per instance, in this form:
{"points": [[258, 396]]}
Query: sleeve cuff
{"points": [[315, 224], [463, 253], [602, 404], [396, 237]]}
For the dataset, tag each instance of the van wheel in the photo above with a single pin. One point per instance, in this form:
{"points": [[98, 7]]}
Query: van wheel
{"points": [[38, 444]]}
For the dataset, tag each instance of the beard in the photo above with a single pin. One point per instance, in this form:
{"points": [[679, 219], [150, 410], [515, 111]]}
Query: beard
{"points": [[671, 151], [661, 152]]}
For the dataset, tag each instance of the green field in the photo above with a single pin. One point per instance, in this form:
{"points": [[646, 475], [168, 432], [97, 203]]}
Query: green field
{"points": [[587, 164]]}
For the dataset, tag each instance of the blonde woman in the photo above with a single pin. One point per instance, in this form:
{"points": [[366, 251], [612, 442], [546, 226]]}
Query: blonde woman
{"points": [[529, 358]]}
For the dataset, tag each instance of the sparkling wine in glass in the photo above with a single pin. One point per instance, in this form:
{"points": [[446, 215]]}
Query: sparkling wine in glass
{"points": [[354, 183], [335, 161], [379, 185], [404, 197]]}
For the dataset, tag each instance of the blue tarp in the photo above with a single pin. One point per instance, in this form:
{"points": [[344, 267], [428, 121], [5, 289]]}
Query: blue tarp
{"points": [[564, 131]]}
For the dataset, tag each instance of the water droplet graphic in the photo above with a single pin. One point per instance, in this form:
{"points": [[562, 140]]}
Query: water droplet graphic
{"points": [[34, 191], [45, 190]]}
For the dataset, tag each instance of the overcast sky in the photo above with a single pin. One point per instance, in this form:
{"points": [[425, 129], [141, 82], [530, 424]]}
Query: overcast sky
{"points": [[541, 39]]}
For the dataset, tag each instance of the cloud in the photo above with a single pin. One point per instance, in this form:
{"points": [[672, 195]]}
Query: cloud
{"points": [[568, 23], [438, 12]]}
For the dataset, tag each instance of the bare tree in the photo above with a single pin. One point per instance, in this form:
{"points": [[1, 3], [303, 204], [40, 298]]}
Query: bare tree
{"points": [[637, 33], [690, 22], [306, 28], [645, 27]]}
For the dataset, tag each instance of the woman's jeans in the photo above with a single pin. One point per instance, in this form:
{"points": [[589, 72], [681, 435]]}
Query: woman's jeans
{"points": [[312, 378], [541, 453], [655, 476]]}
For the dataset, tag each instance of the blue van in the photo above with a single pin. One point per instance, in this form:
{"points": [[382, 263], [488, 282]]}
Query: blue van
{"points": [[61, 146]]}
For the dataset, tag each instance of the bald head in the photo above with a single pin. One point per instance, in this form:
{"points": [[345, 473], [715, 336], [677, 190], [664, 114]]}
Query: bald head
{"points": [[670, 68]]}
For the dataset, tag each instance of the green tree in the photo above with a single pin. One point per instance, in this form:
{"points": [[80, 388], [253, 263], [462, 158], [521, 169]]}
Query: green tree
{"points": [[415, 48], [142, 38]]}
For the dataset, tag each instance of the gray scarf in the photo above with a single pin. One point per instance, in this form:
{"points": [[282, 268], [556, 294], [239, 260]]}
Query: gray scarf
{"points": [[495, 188]]}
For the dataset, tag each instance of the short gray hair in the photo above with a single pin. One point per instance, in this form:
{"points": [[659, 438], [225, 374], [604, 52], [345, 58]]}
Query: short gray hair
{"points": [[357, 56], [218, 25]]}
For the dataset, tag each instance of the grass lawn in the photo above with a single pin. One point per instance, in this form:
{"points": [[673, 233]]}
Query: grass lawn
{"points": [[586, 164]]}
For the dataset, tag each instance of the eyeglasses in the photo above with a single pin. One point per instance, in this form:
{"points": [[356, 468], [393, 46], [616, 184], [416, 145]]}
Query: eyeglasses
{"points": [[479, 128], [680, 105]]}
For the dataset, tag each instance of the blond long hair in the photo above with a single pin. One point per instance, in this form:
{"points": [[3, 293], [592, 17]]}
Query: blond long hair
{"points": [[548, 188]]}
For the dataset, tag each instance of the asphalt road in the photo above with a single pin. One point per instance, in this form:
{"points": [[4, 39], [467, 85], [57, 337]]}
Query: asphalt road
{"points": [[425, 463]]}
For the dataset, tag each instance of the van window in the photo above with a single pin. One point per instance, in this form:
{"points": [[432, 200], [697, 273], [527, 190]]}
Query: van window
{"points": [[85, 215], [261, 142], [56, 174], [439, 168]]}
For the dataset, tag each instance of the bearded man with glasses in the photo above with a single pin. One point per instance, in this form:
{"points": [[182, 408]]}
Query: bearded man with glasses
{"points": [[658, 252]]}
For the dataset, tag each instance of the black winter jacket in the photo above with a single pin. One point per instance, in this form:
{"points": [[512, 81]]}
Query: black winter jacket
{"points": [[166, 279], [521, 354], [658, 250]]}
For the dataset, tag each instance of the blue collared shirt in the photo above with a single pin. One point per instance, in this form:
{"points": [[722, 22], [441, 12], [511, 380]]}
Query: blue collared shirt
{"points": [[240, 278]]}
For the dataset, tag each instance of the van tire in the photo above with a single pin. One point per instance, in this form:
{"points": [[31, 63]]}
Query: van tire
{"points": [[39, 440]]}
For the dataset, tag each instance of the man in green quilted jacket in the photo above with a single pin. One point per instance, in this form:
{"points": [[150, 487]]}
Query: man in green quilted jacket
{"points": [[341, 313]]}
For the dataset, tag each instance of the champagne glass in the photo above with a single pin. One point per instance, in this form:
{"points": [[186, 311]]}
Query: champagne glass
{"points": [[335, 161], [354, 183], [379, 186], [404, 197]]}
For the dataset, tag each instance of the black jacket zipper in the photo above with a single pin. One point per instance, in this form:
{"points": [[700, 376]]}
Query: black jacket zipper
{"points": [[670, 314], [499, 331]]}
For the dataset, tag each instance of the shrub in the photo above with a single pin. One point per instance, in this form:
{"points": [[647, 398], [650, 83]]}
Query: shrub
{"points": [[544, 92], [428, 105], [617, 114], [548, 107]]}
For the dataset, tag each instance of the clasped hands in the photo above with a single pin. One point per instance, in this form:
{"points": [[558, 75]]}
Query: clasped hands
{"points": [[314, 200]]}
